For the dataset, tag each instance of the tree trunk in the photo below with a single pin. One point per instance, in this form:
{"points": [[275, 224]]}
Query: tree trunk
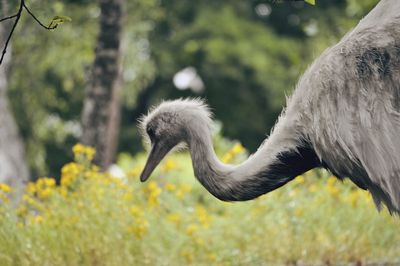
{"points": [[101, 111], [13, 165]]}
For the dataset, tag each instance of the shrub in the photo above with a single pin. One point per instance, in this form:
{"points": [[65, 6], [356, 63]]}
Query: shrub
{"points": [[94, 218]]}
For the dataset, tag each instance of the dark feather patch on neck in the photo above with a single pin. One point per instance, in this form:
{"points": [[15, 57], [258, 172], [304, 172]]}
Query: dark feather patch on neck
{"points": [[295, 162], [288, 165]]}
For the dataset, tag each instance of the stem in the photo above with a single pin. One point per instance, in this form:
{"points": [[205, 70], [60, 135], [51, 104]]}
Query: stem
{"points": [[37, 20], [10, 17], [22, 5], [18, 15]]}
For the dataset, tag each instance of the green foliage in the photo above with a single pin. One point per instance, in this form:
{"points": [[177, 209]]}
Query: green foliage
{"points": [[97, 219], [47, 102], [58, 20], [359, 8], [311, 2], [247, 61]]}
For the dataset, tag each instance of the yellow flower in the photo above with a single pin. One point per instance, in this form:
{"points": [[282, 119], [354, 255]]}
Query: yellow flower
{"points": [[4, 199], [82, 151], [90, 152], [153, 186], [136, 211], [188, 256], [48, 181], [212, 257], [69, 173], [334, 191], [27, 199], [91, 174], [174, 217], [353, 198], [170, 187], [299, 179], [95, 168], [179, 194], [153, 201], [37, 219], [5, 188], [238, 148], [313, 188], [169, 165], [202, 216], [154, 192], [186, 188], [31, 188], [227, 157], [199, 241], [182, 190], [140, 228], [73, 219], [127, 196], [45, 193], [191, 229], [22, 211], [332, 180], [368, 197], [299, 211], [134, 172], [230, 155], [43, 187], [66, 181], [78, 149], [63, 191]]}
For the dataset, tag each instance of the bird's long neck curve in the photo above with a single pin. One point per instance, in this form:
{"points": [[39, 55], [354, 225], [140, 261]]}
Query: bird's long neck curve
{"points": [[283, 156]]}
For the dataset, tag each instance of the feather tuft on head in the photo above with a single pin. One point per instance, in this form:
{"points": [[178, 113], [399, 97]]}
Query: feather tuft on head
{"points": [[190, 110]]}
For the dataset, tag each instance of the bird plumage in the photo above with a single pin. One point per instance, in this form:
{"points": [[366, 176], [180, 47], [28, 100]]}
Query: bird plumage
{"points": [[351, 97], [344, 115]]}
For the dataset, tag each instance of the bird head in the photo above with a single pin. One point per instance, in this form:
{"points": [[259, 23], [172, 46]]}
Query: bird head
{"points": [[169, 124]]}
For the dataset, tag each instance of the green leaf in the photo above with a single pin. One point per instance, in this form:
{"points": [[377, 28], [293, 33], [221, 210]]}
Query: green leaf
{"points": [[57, 20], [311, 2]]}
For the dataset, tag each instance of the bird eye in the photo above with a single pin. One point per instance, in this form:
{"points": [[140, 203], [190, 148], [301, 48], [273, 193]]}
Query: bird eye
{"points": [[151, 133]]}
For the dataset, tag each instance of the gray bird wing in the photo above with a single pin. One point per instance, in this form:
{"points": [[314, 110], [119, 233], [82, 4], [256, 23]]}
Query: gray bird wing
{"points": [[355, 110]]}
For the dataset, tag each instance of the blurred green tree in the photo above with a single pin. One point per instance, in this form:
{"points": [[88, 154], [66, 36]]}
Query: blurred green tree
{"points": [[248, 55], [48, 101]]}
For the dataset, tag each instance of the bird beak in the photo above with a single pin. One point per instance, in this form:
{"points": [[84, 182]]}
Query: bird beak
{"points": [[157, 153]]}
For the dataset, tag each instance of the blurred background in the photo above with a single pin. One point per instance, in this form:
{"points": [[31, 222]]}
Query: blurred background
{"points": [[243, 57], [90, 80]]}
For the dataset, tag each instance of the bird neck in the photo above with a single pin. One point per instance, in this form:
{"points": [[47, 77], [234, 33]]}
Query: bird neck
{"points": [[277, 161]]}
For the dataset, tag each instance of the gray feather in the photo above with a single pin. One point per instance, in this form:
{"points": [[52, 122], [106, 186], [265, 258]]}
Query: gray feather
{"points": [[344, 115]]}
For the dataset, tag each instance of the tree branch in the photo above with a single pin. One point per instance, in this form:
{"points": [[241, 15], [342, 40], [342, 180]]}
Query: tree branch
{"points": [[37, 20], [10, 17], [17, 16]]}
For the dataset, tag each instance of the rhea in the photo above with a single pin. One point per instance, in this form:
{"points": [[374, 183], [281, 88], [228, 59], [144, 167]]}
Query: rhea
{"points": [[344, 115]]}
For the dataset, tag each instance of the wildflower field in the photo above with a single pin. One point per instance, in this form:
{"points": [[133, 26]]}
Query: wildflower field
{"points": [[94, 218]]}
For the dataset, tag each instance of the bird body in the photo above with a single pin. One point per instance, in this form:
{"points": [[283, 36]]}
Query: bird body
{"points": [[350, 100], [344, 115]]}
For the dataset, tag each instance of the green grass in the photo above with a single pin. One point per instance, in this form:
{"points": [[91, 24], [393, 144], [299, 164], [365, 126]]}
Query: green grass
{"points": [[95, 219]]}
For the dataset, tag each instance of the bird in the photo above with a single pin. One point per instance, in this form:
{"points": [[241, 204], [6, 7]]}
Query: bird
{"points": [[343, 115]]}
